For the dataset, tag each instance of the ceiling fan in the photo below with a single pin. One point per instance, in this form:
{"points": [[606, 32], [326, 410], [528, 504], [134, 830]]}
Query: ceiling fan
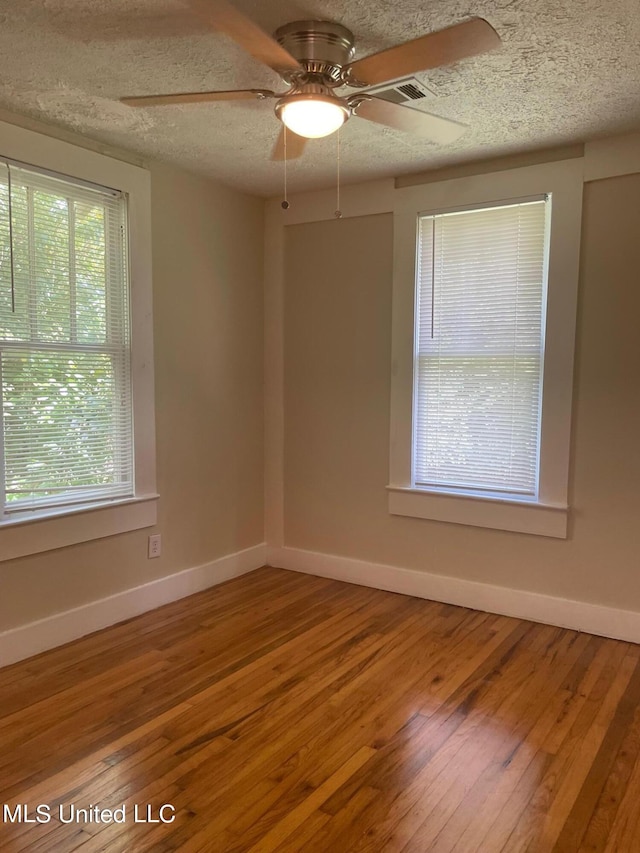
{"points": [[314, 59]]}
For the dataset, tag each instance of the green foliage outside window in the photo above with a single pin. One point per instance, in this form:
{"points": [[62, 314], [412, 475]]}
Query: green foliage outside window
{"points": [[64, 381]]}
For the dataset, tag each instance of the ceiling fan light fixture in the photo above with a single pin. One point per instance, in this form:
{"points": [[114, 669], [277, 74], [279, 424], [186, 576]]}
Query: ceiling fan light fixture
{"points": [[312, 116]]}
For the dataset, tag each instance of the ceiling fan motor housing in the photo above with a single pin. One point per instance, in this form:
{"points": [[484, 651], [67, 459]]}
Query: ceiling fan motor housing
{"points": [[321, 47]]}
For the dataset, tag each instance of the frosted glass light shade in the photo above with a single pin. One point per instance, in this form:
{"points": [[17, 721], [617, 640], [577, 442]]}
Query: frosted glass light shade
{"points": [[313, 117]]}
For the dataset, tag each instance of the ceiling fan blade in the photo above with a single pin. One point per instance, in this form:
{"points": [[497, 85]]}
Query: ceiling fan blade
{"points": [[295, 146], [197, 97], [442, 48], [435, 128], [223, 17]]}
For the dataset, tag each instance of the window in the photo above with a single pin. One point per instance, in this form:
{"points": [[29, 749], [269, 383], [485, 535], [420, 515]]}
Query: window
{"points": [[77, 436], [66, 419], [484, 304], [481, 294]]}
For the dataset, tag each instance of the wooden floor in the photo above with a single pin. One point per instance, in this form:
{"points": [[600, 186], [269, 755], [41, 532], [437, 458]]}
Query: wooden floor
{"points": [[291, 713]]}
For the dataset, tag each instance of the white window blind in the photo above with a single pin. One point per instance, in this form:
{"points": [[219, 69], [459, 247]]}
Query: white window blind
{"points": [[66, 418], [481, 294]]}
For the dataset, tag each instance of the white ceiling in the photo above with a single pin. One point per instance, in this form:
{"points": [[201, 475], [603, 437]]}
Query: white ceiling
{"points": [[569, 70]]}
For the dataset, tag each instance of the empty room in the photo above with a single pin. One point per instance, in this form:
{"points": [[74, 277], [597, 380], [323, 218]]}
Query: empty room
{"points": [[319, 436]]}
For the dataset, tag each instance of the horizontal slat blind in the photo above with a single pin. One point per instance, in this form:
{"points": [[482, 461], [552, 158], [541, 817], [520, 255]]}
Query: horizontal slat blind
{"points": [[64, 342], [481, 288]]}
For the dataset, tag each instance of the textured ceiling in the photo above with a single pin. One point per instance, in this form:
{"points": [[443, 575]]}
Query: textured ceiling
{"points": [[568, 71]]}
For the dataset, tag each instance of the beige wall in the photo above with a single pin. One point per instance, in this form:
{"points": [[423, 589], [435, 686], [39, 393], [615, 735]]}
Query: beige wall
{"points": [[337, 385], [207, 273]]}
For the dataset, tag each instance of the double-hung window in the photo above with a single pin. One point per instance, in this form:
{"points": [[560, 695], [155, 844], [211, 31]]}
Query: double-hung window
{"points": [[77, 436], [485, 284], [65, 377], [481, 298]]}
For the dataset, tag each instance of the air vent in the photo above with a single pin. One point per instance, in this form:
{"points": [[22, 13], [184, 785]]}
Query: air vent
{"points": [[402, 91], [411, 91]]}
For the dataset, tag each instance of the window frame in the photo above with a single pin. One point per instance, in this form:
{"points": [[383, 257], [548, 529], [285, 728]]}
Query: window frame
{"points": [[548, 513], [37, 530]]}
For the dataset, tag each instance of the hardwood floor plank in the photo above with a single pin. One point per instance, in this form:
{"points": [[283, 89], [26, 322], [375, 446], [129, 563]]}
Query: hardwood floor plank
{"points": [[605, 811], [506, 806], [555, 797], [314, 801], [243, 761], [516, 725], [599, 770], [282, 712], [625, 831]]}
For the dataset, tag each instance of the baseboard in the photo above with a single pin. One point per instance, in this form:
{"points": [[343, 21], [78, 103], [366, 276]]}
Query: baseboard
{"points": [[563, 612], [27, 640]]}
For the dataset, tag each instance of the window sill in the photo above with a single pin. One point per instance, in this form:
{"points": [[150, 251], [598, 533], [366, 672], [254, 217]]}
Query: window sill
{"points": [[520, 516], [47, 530]]}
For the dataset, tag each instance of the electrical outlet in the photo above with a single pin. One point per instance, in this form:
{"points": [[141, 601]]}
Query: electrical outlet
{"points": [[155, 546]]}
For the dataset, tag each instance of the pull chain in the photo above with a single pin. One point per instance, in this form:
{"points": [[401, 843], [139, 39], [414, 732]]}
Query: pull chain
{"points": [[285, 203], [13, 284], [338, 212]]}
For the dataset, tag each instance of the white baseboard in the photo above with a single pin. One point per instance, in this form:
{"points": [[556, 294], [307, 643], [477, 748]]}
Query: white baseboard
{"points": [[563, 612], [27, 640]]}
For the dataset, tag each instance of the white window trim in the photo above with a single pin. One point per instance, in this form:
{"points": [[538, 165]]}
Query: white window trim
{"points": [[37, 531], [546, 516]]}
